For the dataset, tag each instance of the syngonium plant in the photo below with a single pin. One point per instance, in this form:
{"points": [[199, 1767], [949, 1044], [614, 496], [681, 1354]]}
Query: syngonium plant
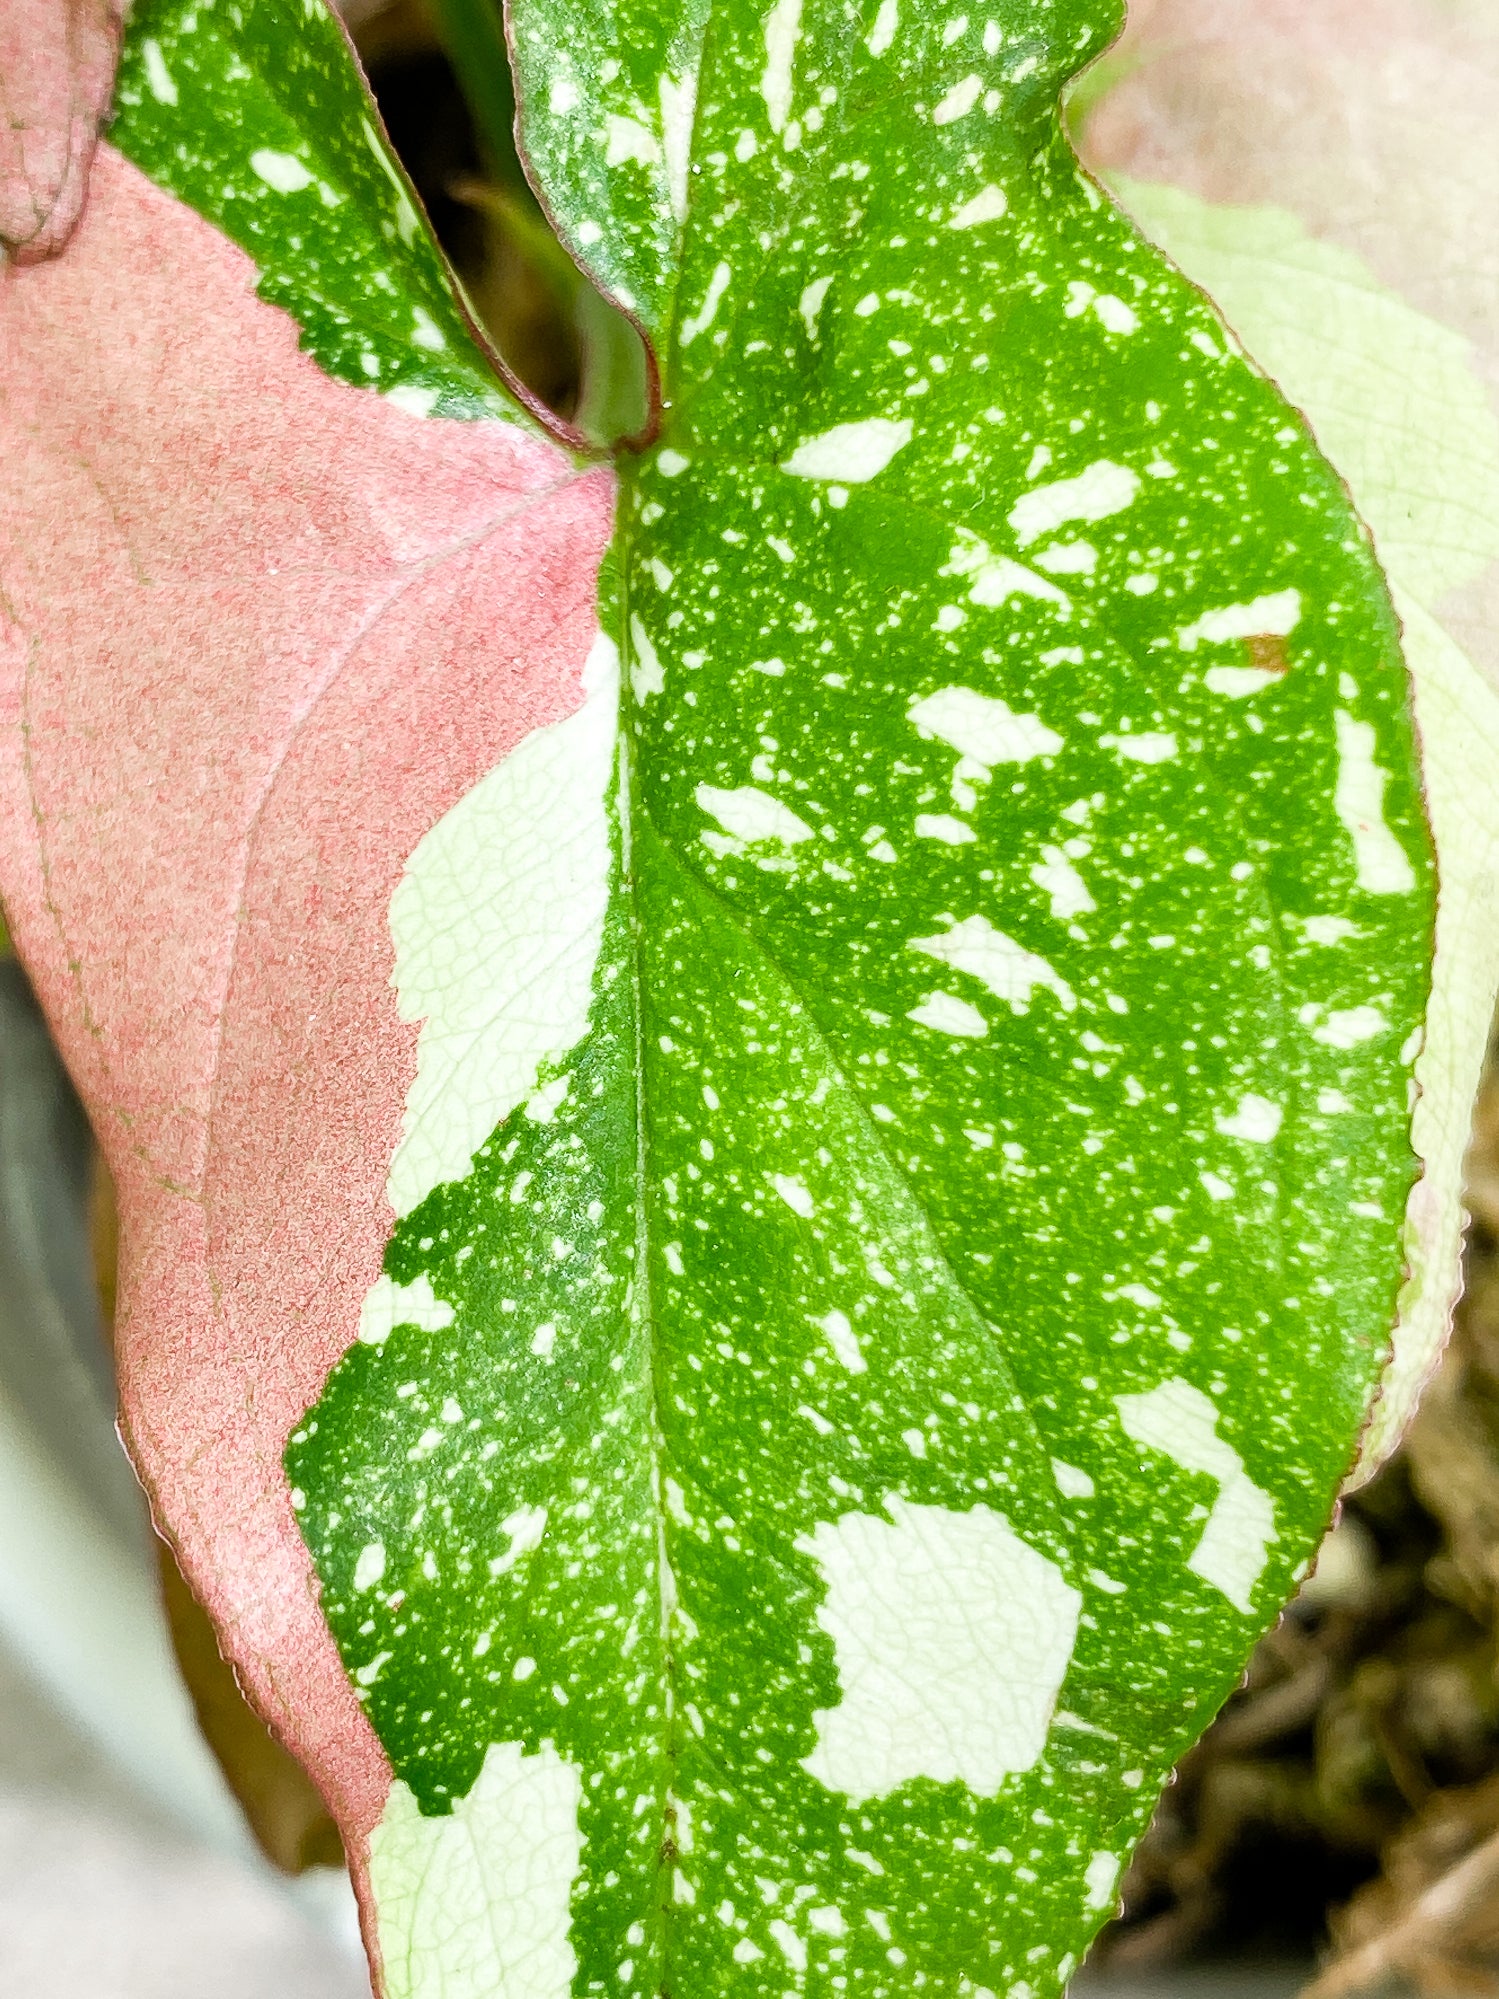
{"points": [[761, 1081]]}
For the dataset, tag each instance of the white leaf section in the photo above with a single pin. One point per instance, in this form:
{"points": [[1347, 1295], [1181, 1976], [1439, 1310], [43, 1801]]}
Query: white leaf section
{"points": [[982, 727], [851, 453], [388, 1305], [945, 1013], [282, 171], [844, 1341], [882, 34], [990, 204], [751, 814], [1256, 1120], [1180, 1422], [1273, 616], [952, 1638], [477, 1905], [497, 922], [783, 27], [1458, 715], [1100, 1878], [1104, 488], [1009, 971], [627, 140], [1380, 862]]}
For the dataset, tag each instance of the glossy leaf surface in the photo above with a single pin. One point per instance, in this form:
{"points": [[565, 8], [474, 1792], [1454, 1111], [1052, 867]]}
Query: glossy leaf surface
{"points": [[897, 1184], [1329, 175]]}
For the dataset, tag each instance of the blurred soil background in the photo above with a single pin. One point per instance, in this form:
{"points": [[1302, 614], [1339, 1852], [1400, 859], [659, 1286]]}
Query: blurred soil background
{"points": [[1339, 1823]]}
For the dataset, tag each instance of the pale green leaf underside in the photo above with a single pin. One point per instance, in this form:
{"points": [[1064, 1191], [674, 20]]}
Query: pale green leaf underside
{"points": [[901, 1205]]}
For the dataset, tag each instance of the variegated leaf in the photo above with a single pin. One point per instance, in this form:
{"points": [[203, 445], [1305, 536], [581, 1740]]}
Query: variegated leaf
{"points": [[855, 1251]]}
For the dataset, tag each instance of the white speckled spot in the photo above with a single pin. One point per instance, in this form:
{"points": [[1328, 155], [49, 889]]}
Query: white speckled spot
{"points": [[982, 727], [158, 77], [990, 204], [1380, 862], [425, 332], [647, 674], [1068, 558], [810, 304], [543, 1104], [388, 1305], [783, 27], [1349, 1026], [1256, 1120], [718, 284], [1328, 929], [1114, 315], [524, 1530], [1071, 1482], [751, 814], [413, 398], [795, 1193], [1274, 616], [952, 1638], [1009, 971], [944, 827], [850, 452], [497, 924], [959, 101], [627, 140], [1099, 1877], [998, 578], [1180, 1422], [282, 171], [1064, 886], [843, 1340], [477, 1904], [1236, 683], [945, 1013], [882, 34], [678, 100], [1149, 746], [370, 1567], [1104, 488]]}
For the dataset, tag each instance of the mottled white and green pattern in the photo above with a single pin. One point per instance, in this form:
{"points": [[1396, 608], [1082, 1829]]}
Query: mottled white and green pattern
{"points": [[254, 112], [899, 1229]]}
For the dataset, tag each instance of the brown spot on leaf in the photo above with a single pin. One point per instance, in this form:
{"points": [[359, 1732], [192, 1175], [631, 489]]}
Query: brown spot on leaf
{"points": [[1267, 651]]}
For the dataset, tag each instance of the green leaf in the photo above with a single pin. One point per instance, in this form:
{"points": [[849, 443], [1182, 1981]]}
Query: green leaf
{"points": [[255, 115], [900, 1200], [1426, 479]]}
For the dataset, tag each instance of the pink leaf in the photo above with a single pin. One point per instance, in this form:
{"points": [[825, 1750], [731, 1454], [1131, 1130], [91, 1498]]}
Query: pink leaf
{"points": [[57, 71], [258, 632]]}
